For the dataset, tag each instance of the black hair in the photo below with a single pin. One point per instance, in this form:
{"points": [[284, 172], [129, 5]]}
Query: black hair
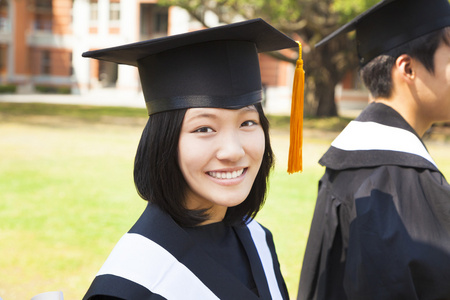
{"points": [[377, 76], [159, 180]]}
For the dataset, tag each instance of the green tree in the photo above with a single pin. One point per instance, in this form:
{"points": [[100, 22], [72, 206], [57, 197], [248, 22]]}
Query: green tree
{"points": [[307, 20]]}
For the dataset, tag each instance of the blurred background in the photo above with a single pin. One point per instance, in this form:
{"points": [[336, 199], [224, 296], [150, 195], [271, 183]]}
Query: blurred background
{"points": [[41, 42], [69, 126]]}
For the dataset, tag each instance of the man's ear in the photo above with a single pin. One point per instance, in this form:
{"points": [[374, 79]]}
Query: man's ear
{"points": [[404, 65]]}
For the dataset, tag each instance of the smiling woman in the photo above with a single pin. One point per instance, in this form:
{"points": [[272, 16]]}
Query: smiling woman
{"points": [[220, 163], [176, 143], [202, 164]]}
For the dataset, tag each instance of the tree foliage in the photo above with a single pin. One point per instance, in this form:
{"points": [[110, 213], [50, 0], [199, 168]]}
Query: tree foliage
{"points": [[305, 20]]}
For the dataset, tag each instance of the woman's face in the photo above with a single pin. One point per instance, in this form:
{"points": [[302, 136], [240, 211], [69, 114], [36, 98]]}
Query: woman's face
{"points": [[220, 152]]}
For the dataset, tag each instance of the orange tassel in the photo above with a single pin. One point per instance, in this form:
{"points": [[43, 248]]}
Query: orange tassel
{"points": [[296, 122]]}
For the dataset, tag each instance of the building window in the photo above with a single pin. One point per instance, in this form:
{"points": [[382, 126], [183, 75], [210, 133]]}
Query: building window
{"points": [[93, 10], [43, 5], [114, 17], [161, 22], [43, 23], [4, 20], [3, 54], [4, 24], [93, 16], [72, 71], [114, 10], [153, 21], [45, 62], [43, 15]]}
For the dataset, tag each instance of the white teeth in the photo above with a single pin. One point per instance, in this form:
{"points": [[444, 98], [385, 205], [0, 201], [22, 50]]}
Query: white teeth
{"points": [[226, 175]]}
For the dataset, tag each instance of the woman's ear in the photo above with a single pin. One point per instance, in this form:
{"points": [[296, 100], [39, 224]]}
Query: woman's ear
{"points": [[404, 65]]}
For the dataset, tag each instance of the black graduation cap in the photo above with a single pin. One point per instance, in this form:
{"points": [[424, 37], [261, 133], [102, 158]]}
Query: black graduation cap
{"points": [[391, 23], [216, 67]]}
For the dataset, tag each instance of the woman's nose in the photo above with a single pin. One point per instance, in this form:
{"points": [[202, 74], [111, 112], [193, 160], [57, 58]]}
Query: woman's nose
{"points": [[230, 148]]}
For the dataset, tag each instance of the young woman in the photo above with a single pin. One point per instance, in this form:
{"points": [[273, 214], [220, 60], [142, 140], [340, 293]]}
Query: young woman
{"points": [[202, 164]]}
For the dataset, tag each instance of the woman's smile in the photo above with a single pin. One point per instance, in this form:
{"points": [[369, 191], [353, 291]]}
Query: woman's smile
{"points": [[227, 174]]}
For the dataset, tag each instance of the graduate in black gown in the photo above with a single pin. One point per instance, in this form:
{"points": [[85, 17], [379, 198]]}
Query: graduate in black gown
{"points": [[202, 164], [381, 226]]}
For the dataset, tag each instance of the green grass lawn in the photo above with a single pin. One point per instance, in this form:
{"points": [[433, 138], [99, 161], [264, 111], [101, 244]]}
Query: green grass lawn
{"points": [[67, 194]]}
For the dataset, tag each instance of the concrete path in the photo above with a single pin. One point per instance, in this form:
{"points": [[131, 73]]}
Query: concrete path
{"points": [[105, 97], [113, 97]]}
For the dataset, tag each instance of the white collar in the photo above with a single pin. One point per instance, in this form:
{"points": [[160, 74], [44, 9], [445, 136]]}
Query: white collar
{"points": [[374, 136]]}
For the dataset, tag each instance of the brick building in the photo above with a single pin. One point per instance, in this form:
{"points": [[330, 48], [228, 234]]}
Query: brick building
{"points": [[35, 43]]}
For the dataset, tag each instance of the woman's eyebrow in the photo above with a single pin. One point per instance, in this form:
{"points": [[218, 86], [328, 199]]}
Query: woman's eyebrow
{"points": [[214, 115], [248, 109], [201, 114]]}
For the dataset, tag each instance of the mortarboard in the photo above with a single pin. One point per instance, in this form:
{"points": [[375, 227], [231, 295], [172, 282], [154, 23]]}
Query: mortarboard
{"points": [[215, 67], [391, 23]]}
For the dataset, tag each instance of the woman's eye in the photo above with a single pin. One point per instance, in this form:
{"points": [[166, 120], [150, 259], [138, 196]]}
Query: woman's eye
{"points": [[204, 130], [249, 123]]}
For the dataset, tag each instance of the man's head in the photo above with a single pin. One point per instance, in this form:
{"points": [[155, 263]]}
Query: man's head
{"points": [[394, 27], [377, 74], [404, 52]]}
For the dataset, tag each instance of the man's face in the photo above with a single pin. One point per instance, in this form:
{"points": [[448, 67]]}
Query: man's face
{"points": [[433, 89]]}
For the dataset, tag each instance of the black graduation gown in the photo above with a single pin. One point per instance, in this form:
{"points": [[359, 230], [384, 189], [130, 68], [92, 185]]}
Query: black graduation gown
{"points": [[158, 259], [381, 226]]}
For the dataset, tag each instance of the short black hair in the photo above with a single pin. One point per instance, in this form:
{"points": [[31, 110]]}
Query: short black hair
{"points": [[376, 74], [159, 180]]}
